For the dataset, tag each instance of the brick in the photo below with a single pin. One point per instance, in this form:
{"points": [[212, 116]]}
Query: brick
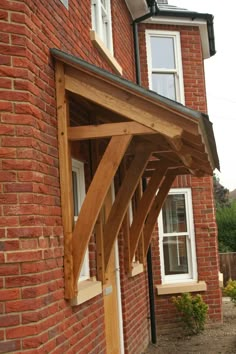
{"points": [[35, 292], [9, 245], [9, 221], [24, 232], [23, 305], [9, 346], [5, 106], [20, 209], [17, 142], [4, 82], [24, 256], [9, 269], [18, 187], [9, 294], [23, 280], [21, 332], [9, 320], [8, 199]]}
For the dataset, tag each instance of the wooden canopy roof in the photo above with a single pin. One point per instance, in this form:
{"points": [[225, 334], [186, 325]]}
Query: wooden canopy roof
{"points": [[165, 138]]}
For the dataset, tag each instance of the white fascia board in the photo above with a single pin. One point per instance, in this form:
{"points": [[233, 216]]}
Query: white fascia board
{"points": [[137, 8], [181, 21]]}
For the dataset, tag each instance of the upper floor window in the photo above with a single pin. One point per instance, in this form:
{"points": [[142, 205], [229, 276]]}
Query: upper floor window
{"points": [[78, 185], [176, 235], [101, 21], [165, 64]]}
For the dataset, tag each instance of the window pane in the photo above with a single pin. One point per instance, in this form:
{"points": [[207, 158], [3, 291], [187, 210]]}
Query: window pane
{"points": [[174, 214], [175, 255], [162, 50], [164, 84]]}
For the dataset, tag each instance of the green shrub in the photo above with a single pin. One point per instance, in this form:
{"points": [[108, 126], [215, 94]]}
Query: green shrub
{"points": [[230, 290], [226, 222], [192, 311]]}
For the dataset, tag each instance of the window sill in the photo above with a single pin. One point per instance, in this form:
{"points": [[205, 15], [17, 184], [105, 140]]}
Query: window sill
{"points": [[137, 269], [87, 290], [105, 52], [181, 288]]}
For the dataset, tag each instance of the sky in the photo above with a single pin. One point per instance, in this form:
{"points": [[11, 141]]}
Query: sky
{"points": [[220, 71]]}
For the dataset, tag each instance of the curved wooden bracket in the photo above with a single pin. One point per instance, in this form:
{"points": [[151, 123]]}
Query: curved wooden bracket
{"points": [[94, 199], [122, 200], [156, 208], [144, 207]]}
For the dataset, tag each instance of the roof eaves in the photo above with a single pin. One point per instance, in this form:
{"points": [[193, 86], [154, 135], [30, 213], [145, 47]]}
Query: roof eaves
{"points": [[203, 119], [173, 11]]}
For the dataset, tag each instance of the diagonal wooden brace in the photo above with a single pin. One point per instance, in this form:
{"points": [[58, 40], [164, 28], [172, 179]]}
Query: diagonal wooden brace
{"points": [[156, 208], [144, 206], [122, 200], [94, 199]]}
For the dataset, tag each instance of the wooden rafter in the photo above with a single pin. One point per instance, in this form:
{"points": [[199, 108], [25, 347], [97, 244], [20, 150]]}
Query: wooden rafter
{"points": [[122, 200], [144, 207], [107, 130], [95, 197], [156, 208], [65, 178]]}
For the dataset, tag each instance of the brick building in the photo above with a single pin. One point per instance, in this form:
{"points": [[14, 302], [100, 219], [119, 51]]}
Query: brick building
{"points": [[88, 161]]}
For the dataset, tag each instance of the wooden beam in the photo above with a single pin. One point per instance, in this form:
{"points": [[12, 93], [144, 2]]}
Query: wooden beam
{"points": [[84, 132], [122, 200], [155, 210], [95, 197], [144, 207], [127, 104], [65, 178], [155, 164], [100, 249]]}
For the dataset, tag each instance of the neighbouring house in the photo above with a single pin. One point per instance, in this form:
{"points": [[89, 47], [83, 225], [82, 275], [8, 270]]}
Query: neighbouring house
{"points": [[107, 156]]}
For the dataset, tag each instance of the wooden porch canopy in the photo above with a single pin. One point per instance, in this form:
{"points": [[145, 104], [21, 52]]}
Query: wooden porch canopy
{"points": [[160, 137]]}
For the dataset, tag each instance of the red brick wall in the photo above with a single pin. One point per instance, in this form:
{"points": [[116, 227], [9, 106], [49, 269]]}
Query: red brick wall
{"points": [[35, 318], [135, 305], [202, 191]]}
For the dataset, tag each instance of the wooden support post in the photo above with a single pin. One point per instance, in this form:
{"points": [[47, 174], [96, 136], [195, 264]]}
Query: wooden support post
{"points": [[155, 210], [122, 200], [95, 197], [65, 178], [140, 248], [144, 207]]}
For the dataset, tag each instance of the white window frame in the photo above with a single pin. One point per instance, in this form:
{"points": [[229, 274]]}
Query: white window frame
{"points": [[65, 3], [101, 21], [78, 169], [191, 276], [178, 72]]}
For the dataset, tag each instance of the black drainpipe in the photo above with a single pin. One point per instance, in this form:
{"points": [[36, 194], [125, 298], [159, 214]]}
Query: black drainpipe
{"points": [[136, 41], [153, 9]]}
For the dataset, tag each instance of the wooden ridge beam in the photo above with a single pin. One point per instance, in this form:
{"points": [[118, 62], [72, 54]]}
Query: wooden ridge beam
{"points": [[95, 197], [65, 178], [144, 207], [155, 210], [121, 203], [84, 132]]}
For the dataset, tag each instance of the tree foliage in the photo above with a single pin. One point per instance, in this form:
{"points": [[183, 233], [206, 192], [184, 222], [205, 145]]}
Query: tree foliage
{"points": [[221, 193], [226, 222], [225, 217]]}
